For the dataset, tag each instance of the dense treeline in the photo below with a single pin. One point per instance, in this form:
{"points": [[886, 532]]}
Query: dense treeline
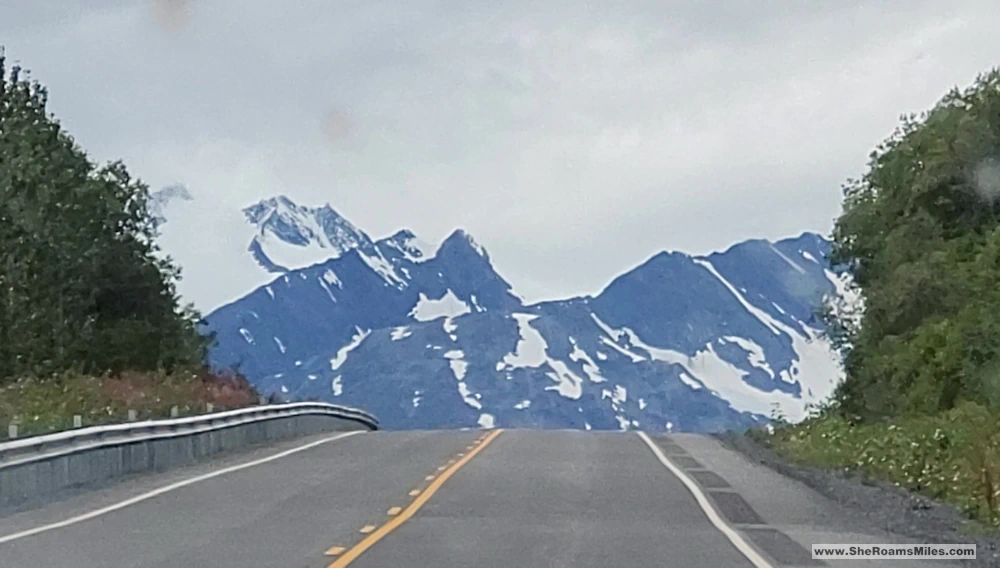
{"points": [[920, 232], [81, 286]]}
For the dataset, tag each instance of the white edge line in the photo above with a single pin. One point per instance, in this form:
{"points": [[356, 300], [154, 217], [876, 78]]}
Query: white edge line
{"points": [[167, 488], [734, 537]]}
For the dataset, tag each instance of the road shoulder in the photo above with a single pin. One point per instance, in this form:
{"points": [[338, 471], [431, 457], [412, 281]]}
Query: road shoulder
{"points": [[877, 506], [782, 516]]}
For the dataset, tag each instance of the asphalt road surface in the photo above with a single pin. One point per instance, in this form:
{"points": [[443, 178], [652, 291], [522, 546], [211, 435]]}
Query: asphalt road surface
{"points": [[484, 498]]}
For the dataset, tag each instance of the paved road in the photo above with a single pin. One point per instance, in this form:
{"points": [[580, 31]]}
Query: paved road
{"points": [[444, 499]]}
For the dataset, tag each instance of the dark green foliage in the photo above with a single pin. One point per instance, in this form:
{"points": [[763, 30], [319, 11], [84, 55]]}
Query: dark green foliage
{"points": [[81, 285], [920, 232]]}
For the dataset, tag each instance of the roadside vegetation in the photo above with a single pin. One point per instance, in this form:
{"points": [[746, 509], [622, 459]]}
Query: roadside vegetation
{"points": [[920, 233], [90, 321]]}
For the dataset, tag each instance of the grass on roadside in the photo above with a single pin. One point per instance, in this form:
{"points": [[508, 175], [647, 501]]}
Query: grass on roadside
{"points": [[40, 406], [953, 457]]}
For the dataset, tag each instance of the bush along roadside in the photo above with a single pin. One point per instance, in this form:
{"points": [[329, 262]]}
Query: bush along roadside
{"points": [[952, 457], [39, 406]]}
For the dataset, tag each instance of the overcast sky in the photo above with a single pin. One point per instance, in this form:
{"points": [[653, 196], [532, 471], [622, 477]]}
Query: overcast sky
{"points": [[573, 139]]}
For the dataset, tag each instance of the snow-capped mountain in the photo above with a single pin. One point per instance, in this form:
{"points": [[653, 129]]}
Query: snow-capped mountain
{"points": [[241, 249], [290, 236], [429, 337]]}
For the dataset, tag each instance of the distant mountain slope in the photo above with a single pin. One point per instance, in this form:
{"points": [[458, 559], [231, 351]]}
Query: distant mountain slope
{"points": [[432, 338], [250, 245]]}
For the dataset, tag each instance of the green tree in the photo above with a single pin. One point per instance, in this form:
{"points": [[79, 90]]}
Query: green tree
{"points": [[920, 232], [81, 284]]}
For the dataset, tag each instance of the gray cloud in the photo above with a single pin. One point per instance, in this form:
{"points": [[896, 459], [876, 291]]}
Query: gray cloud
{"points": [[572, 139]]}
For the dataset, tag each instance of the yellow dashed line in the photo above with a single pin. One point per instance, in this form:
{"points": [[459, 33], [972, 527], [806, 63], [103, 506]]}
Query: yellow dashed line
{"points": [[414, 493], [394, 511], [370, 540], [368, 529], [429, 478], [335, 551]]}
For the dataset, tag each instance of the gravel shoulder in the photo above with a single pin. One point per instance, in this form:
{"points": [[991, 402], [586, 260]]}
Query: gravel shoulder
{"points": [[880, 505]]}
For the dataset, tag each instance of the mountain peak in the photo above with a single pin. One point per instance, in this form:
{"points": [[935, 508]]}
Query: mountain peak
{"points": [[460, 239], [665, 258], [806, 239], [403, 234], [305, 226], [258, 212], [289, 235], [413, 247]]}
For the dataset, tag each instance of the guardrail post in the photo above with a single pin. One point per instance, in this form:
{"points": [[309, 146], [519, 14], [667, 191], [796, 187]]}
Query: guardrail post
{"points": [[209, 407], [77, 421], [132, 415], [174, 412], [12, 431]]}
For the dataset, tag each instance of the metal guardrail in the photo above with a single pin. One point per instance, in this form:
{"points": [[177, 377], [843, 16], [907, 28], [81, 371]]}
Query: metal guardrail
{"points": [[36, 448]]}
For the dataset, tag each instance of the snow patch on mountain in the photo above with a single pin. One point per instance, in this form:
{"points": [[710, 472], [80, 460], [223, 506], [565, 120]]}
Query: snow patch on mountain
{"points": [[756, 353], [757, 312], [330, 277], [383, 268], [590, 368], [686, 379], [784, 257], [620, 395], [568, 384], [447, 306], [467, 396], [288, 257], [530, 348], [726, 380], [457, 363], [344, 351], [818, 368], [530, 352], [450, 327], [612, 339]]}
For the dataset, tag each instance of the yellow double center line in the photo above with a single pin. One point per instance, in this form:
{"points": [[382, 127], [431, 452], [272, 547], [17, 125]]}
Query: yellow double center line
{"points": [[414, 506]]}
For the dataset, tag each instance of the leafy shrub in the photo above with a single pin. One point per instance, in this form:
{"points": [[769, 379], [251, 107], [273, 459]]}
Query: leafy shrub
{"points": [[953, 457]]}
